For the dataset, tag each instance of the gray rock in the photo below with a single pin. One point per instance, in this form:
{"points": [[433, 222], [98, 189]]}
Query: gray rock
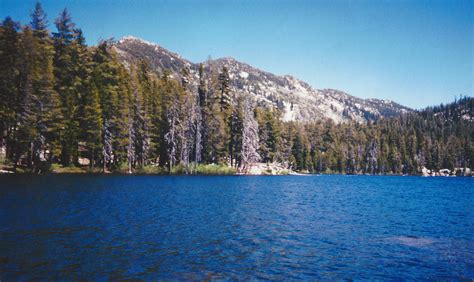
{"points": [[295, 98]]}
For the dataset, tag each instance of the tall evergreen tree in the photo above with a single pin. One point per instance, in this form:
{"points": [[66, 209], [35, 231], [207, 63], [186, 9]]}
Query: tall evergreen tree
{"points": [[92, 123], [48, 102], [9, 71], [108, 76], [72, 70], [39, 23], [26, 133]]}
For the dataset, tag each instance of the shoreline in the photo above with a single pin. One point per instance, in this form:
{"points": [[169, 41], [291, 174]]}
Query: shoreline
{"points": [[255, 169], [293, 173]]}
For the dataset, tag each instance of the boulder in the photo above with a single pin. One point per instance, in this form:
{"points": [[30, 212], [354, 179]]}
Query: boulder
{"points": [[444, 172], [266, 169], [467, 172], [425, 172], [84, 161], [462, 171]]}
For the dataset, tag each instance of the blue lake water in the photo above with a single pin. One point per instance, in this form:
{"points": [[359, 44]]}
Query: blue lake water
{"points": [[224, 227]]}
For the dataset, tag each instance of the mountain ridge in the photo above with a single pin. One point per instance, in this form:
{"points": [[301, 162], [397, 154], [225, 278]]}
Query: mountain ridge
{"points": [[297, 99]]}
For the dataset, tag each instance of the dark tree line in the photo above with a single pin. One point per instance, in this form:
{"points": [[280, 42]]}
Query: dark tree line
{"points": [[436, 138], [62, 102]]}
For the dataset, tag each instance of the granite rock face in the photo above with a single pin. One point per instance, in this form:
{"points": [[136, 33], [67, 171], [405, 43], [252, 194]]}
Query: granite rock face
{"points": [[296, 99]]}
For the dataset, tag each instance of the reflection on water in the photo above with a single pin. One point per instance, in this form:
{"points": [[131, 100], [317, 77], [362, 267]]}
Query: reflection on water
{"points": [[413, 241], [194, 228]]}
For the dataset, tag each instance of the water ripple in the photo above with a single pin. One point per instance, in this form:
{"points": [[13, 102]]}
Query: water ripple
{"points": [[236, 228]]}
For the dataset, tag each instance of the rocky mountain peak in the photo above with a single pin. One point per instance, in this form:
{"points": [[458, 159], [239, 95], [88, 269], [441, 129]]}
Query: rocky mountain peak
{"points": [[295, 98]]}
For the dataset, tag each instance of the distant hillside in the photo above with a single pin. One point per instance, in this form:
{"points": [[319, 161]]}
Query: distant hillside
{"points": [[295, 98], [462, 109]]}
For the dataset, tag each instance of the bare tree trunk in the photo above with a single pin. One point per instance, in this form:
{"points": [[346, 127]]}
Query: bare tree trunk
{"points": [[250, 138], [105, 163], [91, 159], [130, 149], [31, 154]]}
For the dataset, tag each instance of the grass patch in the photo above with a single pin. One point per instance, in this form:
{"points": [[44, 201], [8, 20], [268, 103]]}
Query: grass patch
{"points": [[149, 169], [57, 168], [210, 169], [183, 169], [203, 169]]}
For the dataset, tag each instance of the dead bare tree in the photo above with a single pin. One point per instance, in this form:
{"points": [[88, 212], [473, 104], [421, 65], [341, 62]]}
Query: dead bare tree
{"points": [[250, 138]]}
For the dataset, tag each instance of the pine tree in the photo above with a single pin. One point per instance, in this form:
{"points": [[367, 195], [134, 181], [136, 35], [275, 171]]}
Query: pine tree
{"points": [[298, 152], [215, 135], [48, 103], [224, 90], [108, 75], [140, 132], [39, 23], [92, 123], [9, 71], [236, 129], [269, 133], [70, 72], [26, 133]]}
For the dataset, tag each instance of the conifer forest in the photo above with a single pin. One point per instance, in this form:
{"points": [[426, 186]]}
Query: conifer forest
{"points": [[66, 104]]}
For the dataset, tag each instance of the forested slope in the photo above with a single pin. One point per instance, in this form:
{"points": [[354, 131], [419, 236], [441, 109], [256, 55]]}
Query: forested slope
{"points": [[64, 104]]}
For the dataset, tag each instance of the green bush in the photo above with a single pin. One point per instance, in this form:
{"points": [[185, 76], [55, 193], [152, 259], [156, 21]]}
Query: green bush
{"points": [[183, 169]]}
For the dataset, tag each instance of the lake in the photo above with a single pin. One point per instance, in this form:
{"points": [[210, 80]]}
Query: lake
{"points": [[227, 227]]}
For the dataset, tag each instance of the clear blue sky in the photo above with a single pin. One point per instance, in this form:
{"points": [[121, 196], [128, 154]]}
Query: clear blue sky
{"points": [[417, 53]]}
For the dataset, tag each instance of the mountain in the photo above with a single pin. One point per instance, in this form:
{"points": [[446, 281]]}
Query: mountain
{"points": [[295, 98]]}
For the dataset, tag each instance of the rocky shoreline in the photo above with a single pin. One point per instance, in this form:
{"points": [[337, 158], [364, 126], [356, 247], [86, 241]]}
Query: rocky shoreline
{"points": [[463, 171]]}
